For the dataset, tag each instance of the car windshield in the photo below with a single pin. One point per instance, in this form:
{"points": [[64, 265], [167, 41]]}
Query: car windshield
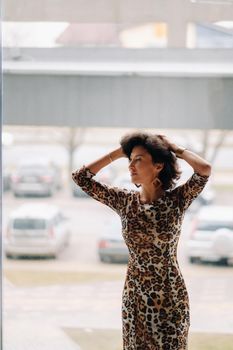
{"points": [[34, 169], [214, 226], [29, 224]]}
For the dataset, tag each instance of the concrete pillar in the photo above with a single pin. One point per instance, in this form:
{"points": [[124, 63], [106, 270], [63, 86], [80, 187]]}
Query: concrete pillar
{"points": [[177, 30]]}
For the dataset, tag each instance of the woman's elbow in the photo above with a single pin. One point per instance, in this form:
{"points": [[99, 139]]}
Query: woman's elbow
{"points": [[74, 176], [206, 169]]}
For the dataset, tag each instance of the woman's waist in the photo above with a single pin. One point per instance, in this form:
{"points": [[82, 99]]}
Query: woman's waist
{"points": [[163, 268], [155, 262]]}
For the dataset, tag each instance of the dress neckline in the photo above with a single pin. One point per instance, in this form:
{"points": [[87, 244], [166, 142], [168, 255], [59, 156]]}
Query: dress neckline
{"points": [[152, 202]]}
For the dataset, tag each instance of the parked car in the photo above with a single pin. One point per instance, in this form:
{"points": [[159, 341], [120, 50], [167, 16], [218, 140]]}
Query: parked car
{"points": [[36, 230], [211, 237], [111, 246], [6, 180], [36, 179]]}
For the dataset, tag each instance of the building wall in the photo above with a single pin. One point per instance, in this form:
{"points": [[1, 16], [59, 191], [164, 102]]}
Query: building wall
{"points": [[126, 101]]}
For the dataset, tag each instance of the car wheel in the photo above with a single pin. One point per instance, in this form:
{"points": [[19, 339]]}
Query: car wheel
{"points": [[223, 243], [224, 261], [105, 259], [193, 260], [51, 193], [16, 194], [10, 256], [53, 256]]}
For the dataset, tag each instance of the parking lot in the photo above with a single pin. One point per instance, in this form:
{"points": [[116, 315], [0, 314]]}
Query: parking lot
{"points": [[76, 290], [88, 221]]}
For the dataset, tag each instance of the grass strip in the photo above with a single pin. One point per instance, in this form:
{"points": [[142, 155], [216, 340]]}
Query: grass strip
{"points": [[209, 341], [27, 278]]}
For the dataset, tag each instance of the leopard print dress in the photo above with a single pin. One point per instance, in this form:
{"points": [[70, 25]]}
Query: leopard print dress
{"points": [[155, 307]]}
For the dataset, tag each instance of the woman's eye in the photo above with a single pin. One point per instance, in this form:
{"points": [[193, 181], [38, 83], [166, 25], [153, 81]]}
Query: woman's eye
{"points": [[136, 159]]}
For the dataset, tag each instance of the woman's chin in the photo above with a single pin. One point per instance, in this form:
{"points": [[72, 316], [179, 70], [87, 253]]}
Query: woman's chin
{"points": [[134, 181]]}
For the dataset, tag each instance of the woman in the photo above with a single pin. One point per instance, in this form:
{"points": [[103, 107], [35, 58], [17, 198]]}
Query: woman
{"points": [[155, 308]]}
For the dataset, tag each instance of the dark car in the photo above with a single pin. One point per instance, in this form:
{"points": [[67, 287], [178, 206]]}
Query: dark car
{"points": [[111, 246], [6, 180], [36, 179]]}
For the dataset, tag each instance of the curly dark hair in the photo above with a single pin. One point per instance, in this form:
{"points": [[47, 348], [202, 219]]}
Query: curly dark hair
{"points": [[160, 154]]}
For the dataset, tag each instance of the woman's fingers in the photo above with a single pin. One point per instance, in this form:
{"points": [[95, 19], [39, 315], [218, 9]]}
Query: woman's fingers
{"points": [[164, 139]]}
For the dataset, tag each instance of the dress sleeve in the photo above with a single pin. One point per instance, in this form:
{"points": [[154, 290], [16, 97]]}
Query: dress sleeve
{"points": [[190, 189], [113, 197]]}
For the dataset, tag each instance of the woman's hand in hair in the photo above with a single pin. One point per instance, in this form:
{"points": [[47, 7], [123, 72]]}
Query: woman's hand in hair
{"points": [[199, 164], [168, 143]]}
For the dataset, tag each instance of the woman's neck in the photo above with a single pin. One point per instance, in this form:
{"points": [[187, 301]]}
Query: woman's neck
{"points": [[150, 193]]}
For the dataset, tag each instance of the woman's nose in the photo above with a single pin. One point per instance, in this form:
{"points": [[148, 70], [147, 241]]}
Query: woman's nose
{"points": [[131, 165]]}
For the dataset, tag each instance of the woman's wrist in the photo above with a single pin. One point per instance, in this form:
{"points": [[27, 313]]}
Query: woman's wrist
{"points": [[178, 150], [116, 154], [173, 147]]}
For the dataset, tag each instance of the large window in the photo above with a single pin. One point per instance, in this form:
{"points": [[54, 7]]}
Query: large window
{"points": [[71, 90]]}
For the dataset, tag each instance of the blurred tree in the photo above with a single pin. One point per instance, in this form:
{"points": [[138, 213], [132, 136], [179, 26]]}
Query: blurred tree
{"points": [[217, 146], [71, 141], [221, 138]]}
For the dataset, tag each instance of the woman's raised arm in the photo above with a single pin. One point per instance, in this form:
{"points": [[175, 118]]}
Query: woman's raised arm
{"points": [[199, 164], [114, 197], [100, 163]]}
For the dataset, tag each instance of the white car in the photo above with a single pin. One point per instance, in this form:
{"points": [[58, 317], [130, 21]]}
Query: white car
{"points": [[211, 238], [36, 230]]}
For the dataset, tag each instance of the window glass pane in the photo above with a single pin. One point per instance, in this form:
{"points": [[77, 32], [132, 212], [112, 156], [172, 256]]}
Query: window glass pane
{"points": [[29, 224]]}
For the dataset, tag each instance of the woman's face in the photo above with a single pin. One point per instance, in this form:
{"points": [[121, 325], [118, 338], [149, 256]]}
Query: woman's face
{"points": [[141, 166]]}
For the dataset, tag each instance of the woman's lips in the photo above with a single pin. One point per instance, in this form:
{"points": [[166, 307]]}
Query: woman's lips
{"points": [[133, 174]]}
